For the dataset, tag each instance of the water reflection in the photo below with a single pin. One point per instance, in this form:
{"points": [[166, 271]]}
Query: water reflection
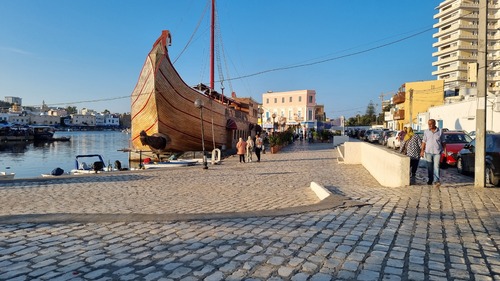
{"points": [[30, 159], [14, 146]]}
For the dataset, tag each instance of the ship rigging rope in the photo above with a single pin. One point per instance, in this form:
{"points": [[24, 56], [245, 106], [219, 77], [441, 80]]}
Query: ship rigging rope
{"points": [[275, 69], [220, 49], [334, 58], [212, 118], [194, 32]]}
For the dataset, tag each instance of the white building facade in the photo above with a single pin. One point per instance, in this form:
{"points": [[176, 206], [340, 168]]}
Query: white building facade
{"points": [[461, 115]]}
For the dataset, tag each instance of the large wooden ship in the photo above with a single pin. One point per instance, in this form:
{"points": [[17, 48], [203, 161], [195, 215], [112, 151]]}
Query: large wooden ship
{"points": [[163, 106]]}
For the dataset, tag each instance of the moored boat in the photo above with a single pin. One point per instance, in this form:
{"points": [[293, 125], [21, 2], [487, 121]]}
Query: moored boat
{"points": [[163, 107], [88, 163], [10, 133], [167, 164], [60, 139], [7, 176], [42, 133]]}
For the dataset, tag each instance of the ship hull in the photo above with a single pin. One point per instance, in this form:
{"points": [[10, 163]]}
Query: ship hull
{"points": [[162, 103]]}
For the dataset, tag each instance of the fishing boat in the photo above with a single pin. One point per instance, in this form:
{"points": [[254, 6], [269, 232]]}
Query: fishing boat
{"points": [[15, 133], [164, 116], [42, 132], [6, 176], [63, 139]]}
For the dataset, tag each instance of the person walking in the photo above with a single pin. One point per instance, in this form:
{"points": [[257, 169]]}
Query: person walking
{"points": [[249, 147], [258, 147], [411, 146], [432, 146], [402, 134], [241, 149]]}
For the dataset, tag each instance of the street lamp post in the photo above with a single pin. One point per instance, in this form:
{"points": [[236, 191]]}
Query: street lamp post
{"points": [[199, 104], [274, 116], [261, 112], [297, 121], [283, 123]]}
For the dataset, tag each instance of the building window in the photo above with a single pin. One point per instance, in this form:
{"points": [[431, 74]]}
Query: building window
{"points": [[267, 100], [310, 99], [275, 100], [283, 100], [300, 98], [290, 100]]}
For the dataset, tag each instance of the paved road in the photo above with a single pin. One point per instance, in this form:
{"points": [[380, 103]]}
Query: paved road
{"points": [[253, 221]]}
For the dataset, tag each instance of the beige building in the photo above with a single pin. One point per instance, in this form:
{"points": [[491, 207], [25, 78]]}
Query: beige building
{"points": [[289, 108], [414, 98], [457, 41], [45, 120], [83, 120]]}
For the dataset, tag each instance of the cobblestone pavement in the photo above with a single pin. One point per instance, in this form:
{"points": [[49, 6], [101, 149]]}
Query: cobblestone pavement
{"points": [[408, 233]]}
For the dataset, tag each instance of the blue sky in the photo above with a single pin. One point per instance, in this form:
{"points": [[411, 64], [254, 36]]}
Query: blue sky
{"points": [[89, 53]]}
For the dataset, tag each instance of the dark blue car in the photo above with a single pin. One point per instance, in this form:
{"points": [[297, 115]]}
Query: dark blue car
{"points": [[466, 158]]}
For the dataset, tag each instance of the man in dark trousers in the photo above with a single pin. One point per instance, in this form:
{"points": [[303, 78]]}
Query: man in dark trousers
{"points": [[432, 147]]}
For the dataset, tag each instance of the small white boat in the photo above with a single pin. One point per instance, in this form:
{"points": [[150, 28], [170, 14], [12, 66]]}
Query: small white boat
{"points": [[7, 176], [88, 164], [168, 164], [189, 162]]}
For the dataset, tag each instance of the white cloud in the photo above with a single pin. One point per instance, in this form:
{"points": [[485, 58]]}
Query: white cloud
{"points": [[15, 50]]}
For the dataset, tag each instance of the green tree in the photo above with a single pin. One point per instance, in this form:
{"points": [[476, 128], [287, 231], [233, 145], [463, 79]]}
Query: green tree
{"points": [[351, 121], [125, 120], [71, 110], [4, 106], [370, 113]]}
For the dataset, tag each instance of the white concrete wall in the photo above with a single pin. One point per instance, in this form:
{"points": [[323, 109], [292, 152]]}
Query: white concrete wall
{"points": [[337, 140], [389, 168]]}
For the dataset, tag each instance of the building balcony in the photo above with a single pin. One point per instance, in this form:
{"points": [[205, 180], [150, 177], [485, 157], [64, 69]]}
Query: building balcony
{"points": [[388, 116], [399, 115], [398, 98]]}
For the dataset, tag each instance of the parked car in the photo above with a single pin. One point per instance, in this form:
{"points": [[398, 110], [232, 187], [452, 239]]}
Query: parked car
{"points": [[472, 134], [393, 140], [374, 135], [467, 156], [361, 134], [453, 142], [385, 135], [367, 133]]}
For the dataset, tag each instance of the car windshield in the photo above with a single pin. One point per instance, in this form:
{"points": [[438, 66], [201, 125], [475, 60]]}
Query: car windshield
{"points": [[493, 143], [457, 138]]}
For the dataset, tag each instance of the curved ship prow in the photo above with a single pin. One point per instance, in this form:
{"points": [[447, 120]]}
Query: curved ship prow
{"points": [[163, 104]]}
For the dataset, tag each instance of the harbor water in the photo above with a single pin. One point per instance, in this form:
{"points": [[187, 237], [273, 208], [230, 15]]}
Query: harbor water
{"points": [[29, 160]]}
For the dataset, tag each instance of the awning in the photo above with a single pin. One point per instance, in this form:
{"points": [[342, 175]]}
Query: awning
{"points": [[231, 125]]}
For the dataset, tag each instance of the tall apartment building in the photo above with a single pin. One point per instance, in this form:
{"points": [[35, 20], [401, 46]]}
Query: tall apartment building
{"points": [[457, 41], [14, 100]]}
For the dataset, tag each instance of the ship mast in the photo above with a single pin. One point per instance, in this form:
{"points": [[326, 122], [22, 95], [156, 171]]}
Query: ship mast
{"points": [[212, 47]]}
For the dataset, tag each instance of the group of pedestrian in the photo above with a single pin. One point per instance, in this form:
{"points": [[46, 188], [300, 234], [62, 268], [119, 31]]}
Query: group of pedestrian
{"points": [[430, 147], [246, 148]]}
